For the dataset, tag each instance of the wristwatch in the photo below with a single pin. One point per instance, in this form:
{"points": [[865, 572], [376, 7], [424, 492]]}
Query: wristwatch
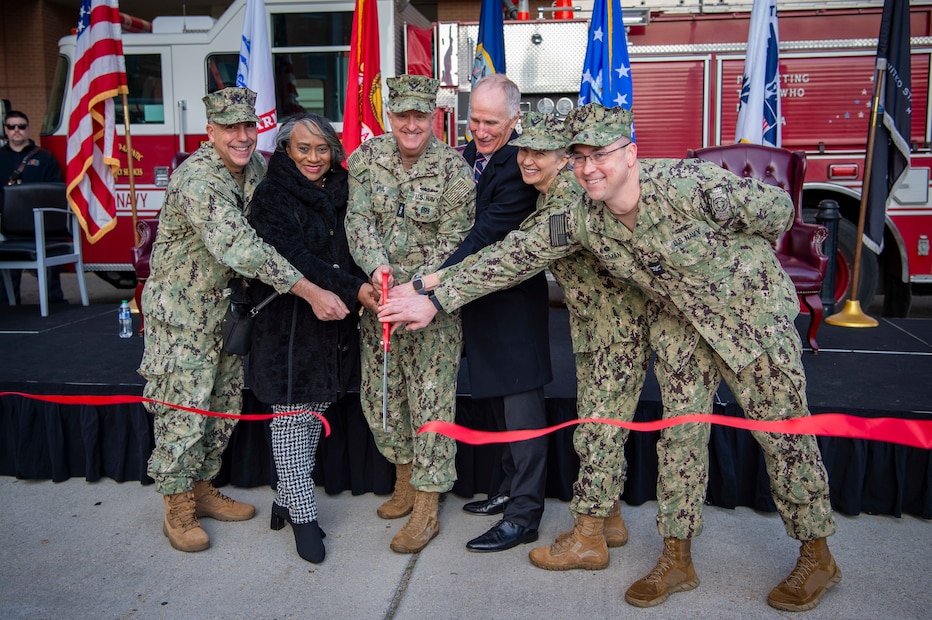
{"points": [[418, 283], [433, 299]]}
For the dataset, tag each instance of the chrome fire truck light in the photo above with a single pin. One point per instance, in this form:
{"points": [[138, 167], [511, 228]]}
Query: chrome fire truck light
{"points": [[545, 105], [564, 105]]}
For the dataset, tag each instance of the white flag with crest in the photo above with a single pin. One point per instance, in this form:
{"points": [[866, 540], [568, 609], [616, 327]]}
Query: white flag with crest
{"points": [[759, 113], [255, 71]]}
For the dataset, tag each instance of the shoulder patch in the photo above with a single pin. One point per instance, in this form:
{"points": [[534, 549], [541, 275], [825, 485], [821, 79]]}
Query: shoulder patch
{"points": [[558, 229], [718, 200], [355, 164], [456, 192]]}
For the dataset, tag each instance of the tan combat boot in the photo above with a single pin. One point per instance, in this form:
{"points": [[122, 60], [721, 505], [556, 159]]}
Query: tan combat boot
{"points": [[402, 500], [616, 532], [584, 547], [674, 572], [422, 525], [212, 503], [181, 525], [815, 573]]}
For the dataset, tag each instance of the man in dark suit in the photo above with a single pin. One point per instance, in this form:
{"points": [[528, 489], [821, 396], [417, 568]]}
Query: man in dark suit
{"points": [[506, 333]]}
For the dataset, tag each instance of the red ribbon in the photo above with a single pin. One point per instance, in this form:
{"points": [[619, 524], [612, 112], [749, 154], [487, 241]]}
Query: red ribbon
{"points": [[907, 432], [915, 433], [124, 399]]}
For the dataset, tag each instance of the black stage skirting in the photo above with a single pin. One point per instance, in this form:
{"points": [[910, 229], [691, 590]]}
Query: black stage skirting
{"points": [[881, 372]]}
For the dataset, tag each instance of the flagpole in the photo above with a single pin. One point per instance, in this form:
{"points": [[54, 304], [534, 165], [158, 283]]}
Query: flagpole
{"points": [[851, 315], [129, 167]]}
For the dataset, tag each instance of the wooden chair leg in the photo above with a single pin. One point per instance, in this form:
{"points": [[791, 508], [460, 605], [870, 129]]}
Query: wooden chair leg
{"points": [[813, 301]]}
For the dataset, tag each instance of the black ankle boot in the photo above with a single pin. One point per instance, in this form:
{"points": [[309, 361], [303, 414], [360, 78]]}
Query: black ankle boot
{"points": [[280, 516], [308, 539]]}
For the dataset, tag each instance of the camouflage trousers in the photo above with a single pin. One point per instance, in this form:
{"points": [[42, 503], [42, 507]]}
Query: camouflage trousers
{"points": [[184, 367], [610, 380], [773, 387], [422, 370]]}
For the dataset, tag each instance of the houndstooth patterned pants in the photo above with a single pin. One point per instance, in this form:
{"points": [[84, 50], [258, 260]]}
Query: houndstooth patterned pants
{"points": [[294, 447]]}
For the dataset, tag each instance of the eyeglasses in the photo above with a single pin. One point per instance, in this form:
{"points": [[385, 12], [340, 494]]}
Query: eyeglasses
{"points": [[599, 157], [20, 126]]}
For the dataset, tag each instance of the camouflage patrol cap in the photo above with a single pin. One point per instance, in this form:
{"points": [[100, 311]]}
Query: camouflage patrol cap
{"points": [[596, 125], [542, 132], [412, 92], [231, 105]]}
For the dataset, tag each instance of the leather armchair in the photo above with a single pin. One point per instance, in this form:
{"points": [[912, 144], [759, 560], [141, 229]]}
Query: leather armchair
{"points": [[800, 248]]}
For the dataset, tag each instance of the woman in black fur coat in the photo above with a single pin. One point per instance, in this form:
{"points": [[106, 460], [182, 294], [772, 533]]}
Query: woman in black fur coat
{"points": [[297, 361]]}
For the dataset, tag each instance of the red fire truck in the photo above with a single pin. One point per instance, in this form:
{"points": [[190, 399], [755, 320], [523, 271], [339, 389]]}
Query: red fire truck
{"points": [[687, 63]]}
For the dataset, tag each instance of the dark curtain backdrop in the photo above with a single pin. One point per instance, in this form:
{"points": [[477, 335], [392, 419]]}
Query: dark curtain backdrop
{"points": [[43, 441]]}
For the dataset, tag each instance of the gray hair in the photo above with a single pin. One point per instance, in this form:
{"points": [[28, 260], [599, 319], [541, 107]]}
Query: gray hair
{"points": [[317, 125], [510, 89]]}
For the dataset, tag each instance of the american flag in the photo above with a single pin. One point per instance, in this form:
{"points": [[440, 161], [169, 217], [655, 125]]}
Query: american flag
{"points": [[99, 75]]}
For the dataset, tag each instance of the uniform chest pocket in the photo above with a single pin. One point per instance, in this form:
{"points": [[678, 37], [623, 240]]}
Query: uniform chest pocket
{"points": [[384, 201], [424, 207], [691, 247]]}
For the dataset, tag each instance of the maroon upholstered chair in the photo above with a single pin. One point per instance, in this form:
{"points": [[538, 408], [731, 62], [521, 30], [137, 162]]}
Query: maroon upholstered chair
{"points": [[147, 230], [800, 248]]}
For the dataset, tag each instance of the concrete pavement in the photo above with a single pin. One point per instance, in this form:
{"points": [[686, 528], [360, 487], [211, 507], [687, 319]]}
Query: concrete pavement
{"points": [[95, 550]]}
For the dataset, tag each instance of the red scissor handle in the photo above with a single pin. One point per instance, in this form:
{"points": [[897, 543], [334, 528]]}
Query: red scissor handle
{"points": [[386, 327]]}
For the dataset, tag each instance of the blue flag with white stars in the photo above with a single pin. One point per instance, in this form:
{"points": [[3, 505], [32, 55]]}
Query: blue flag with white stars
{"points": [[606, 77]]}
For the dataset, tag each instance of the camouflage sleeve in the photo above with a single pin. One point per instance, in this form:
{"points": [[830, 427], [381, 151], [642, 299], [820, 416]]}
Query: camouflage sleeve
{"points": [[459, 200], [365, 242], [743, 204], [216, 217], [543, 238]]}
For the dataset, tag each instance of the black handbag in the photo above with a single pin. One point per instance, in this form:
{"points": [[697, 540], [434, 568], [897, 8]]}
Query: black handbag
{"points": [[236, 327]]}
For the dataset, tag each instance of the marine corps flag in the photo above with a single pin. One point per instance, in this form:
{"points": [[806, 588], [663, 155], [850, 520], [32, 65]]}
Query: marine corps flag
{"points": [[362, 116], [255, 72], [99, 76], [891, 141], [759, 112], [606, 77], [490, 45]]}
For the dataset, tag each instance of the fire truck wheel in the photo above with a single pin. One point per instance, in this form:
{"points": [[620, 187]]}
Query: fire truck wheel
{"points": [[868, 278]]}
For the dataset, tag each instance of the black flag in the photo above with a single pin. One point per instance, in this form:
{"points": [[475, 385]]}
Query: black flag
{"points": [[891, 141]]}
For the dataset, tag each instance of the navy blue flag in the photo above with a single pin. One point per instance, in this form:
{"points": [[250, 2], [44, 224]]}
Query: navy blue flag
{"points": [[490, 46], [890, 157], [606, 77], [759, 108]]}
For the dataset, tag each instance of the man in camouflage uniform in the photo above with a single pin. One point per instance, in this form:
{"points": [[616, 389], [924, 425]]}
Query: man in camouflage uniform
{"points": [[697, 240], [203, 240], [412, 202]]}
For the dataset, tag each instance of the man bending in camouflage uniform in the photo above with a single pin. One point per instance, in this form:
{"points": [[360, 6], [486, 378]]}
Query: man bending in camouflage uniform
{"points": [[203, 240], [697, 240], [412, 202]]}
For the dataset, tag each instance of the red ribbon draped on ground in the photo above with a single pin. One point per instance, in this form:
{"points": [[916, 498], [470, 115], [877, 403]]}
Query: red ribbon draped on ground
{"points": [[123, 399], [916, 433], [907, 432]]}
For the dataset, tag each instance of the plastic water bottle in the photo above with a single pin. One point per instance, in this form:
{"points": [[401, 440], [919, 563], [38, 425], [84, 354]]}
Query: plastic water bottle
{"points": [[126, 320]]}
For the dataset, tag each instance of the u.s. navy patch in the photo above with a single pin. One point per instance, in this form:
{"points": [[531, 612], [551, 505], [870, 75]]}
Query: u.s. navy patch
{"points": [[719, 202], [456, 192], [558, 230]]}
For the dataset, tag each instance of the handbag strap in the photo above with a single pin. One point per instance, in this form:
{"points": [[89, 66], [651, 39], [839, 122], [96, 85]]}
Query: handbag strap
{"points": [[262, 304], [15, 176]]}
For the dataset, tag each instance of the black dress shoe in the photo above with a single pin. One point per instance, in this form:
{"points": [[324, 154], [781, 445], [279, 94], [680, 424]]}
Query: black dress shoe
{"points": [[503, 535], [495, 505]]}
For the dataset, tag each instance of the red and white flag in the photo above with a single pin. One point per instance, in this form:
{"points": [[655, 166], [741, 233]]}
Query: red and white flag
{"points": [[362, 116], [255, 72], [99, 76]]}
